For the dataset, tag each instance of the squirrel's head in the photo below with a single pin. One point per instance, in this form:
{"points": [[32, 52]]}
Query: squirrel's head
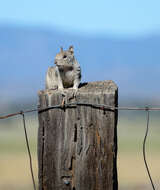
{"points": [[65, 58]]}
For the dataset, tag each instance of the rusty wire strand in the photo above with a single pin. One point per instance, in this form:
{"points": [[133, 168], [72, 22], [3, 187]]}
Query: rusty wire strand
{"points": [[144, 150], [28, 149], [69, 105]]}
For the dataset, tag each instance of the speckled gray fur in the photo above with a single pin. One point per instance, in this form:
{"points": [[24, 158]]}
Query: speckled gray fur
{"points": [[66, 73]]}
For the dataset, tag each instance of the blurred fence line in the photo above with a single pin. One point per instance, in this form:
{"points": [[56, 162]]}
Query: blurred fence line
{"points": [[104, 107]]}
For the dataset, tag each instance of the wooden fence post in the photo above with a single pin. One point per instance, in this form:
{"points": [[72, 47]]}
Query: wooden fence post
{"points": [[77, 147]]}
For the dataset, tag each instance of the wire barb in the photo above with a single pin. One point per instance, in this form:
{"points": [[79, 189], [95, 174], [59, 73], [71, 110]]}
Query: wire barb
{"points": [[68, 105]]}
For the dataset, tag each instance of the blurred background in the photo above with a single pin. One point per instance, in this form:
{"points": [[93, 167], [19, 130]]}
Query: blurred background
{"points": [[113, 40]]}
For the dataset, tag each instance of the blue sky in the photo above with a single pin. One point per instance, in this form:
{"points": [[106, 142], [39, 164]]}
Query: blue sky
{"points": [[121, 18], [105, 21]]}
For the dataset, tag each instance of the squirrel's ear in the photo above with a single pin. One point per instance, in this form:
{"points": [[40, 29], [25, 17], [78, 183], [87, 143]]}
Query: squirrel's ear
{"points": [[61, 49], [71, 49]]}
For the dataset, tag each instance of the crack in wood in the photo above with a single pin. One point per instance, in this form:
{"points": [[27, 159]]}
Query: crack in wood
{"points": [[71, 164], [80, 141], [72, 169], [75, 132]]}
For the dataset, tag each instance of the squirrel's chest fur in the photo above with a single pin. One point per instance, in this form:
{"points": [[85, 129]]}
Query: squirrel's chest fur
{"points": [[67, 76]]}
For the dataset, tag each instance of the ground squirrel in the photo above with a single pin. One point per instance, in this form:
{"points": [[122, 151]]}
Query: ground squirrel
{"points": [[66, 73]]}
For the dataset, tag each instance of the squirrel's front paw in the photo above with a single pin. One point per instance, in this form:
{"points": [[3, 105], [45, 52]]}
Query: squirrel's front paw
{"points": [[75, 90], [74, 93], [62, 91]]}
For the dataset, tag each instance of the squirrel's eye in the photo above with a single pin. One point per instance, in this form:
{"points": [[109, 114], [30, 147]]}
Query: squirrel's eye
{"points": [[64, 56]]}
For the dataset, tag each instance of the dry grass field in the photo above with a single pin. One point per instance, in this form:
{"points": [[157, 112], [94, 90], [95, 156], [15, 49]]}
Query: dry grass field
{"points": [[14, 163]]}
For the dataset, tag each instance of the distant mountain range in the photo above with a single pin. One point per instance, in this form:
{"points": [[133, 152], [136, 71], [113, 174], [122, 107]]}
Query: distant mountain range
{"points": [[25, 54]]}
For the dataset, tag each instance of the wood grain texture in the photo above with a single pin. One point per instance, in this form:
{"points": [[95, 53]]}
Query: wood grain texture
{"points": [[77, 147]]}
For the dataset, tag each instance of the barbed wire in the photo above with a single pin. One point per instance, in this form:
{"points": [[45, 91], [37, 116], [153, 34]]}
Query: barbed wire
{"points": [[75, 104], [68, 105]]}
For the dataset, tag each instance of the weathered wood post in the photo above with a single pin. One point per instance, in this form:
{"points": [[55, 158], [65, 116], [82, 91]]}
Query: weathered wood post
{"points": [[77, 147]]}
